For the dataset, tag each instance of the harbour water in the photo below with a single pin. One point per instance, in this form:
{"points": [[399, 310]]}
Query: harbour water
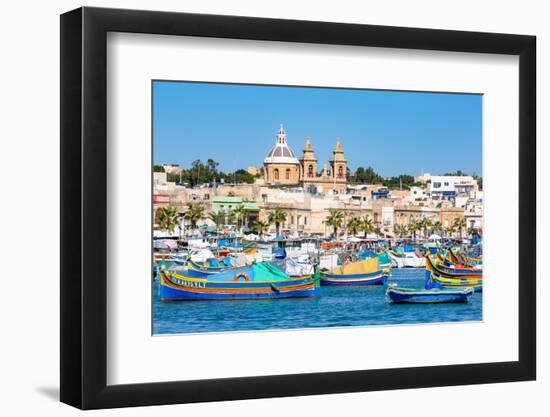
{"points": [[334, 307]]}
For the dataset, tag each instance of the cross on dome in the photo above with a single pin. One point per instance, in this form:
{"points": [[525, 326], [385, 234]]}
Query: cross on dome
{"points": [[281, 135]]}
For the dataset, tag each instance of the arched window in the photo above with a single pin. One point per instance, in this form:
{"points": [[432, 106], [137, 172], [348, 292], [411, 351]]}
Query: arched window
{"points": [[287, 174], [310, 171], [276, 173], [340, 171]]}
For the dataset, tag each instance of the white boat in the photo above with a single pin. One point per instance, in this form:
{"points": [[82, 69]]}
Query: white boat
{"points": [[407, 260], [299, 266]]}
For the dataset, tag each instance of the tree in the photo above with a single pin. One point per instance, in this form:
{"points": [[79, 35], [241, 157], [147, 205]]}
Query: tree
{"points": [[414, 226], [158, 168], [424, 224], [230, 217], [437, 226], [367, 225], [212, 166], [400, 230], [480, 183], [459, 223], [240, 214], [401, 181], [458, 173], [366, 176], [354, 225], [335, 219], [449, 230], [167, 218], [260, 227], [194, 213], [278, 216], [218, 218], [240, 176]]}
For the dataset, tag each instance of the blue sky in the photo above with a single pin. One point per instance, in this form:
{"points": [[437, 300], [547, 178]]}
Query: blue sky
{"points": [[394, 132]]}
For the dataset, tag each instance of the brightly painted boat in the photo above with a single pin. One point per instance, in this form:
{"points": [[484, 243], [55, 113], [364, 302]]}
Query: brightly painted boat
{"points": [[208, 267], [402, 295], [363, 272], [259, 281], [384, 260], [457, 257], [435, 281], [454, 271]]}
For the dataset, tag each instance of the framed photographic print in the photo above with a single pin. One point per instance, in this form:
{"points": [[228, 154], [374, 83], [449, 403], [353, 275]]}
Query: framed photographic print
{"points": [[257, 208]]}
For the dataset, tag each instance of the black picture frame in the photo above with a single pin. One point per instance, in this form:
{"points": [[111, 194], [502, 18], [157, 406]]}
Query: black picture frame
{"points": [[84, 207]]}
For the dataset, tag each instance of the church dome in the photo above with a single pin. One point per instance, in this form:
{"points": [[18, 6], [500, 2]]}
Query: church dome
{"points": [[281, 153]]}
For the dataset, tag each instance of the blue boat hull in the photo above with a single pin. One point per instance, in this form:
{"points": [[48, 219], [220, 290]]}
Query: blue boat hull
{"points": [[173, 287], [429, 297], [376, 278], [171, 294]]}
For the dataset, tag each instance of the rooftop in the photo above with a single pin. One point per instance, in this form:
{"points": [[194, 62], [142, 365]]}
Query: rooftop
{"points": [[281, 153]]}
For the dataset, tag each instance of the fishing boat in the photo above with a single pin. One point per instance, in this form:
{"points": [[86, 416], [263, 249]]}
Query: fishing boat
{"points": [[435, 281], [458, 257], [384, 261], [362, 272], [452, 270], [402, 295], [208, 267], [259, 281]]}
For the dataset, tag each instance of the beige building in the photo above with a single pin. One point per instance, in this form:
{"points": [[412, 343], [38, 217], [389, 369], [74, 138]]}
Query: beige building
{"points": [[282, 168], [254, 170]]}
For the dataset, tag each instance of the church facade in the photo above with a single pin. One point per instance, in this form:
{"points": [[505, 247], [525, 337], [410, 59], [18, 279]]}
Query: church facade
{"points": [[283, 168]]}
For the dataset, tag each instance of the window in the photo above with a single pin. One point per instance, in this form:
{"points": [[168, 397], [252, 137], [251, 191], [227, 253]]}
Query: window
{"points": [[305, 220], [310, 171], [276, 173], [340, 171], [287, 176], [437, 185], [446, 184]]}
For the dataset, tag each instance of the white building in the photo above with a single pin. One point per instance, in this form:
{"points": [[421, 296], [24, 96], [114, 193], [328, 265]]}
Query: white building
{"points": [[418, 193], [444, 187]]}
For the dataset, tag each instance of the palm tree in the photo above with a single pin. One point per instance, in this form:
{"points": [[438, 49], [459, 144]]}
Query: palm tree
{"points": [[230, 216], [167, 218], [367, 226], [400, 230], [335, 219], [414, 226], [450, 230], [459, 223], [260, 227], [194, 213], [278, 216], [424, 224], [437, 226], [218, 218], [354, 225], [240, 214]]}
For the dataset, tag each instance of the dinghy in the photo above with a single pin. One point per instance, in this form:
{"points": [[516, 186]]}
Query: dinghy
{"points": [[402, 295]]}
